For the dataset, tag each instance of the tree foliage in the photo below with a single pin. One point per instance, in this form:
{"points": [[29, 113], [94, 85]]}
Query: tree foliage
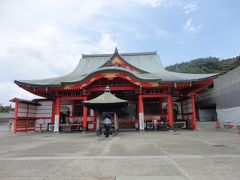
{"points": [[206, 65], [5, 108]]}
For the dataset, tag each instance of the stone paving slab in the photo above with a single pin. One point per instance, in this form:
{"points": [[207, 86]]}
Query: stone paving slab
{"points": [[150, 178], [179, 155]]}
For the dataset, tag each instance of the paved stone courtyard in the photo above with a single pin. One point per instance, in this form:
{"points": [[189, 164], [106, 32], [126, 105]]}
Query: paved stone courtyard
{"points": [[130, 155]]}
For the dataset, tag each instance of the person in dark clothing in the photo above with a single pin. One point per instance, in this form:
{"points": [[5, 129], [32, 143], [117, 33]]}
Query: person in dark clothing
{"points": [[107, 122]]}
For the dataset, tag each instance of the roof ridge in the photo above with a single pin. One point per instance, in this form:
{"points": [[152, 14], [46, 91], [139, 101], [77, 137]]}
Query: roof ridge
{"points": [[122, 54]]}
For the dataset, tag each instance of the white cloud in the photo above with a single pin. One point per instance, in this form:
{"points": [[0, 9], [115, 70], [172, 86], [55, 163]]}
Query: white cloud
{"points": [[153, 3], [193, 6], [140, 35], [8, 91], [189, 27], [106, 44], [43, 39], [160, 33], [158, 3], [46, 49], [171, 3], [45, 53]]}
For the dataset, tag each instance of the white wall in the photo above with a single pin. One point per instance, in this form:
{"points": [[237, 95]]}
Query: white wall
{"points": [[44, 114]]}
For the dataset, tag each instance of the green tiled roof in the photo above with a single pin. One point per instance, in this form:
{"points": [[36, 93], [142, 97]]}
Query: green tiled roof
{"points": [[149, 62]]}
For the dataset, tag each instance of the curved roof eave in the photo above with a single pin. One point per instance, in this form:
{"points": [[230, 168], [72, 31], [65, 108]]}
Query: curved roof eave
{"points": [[19, 82], [170, 77], [107, 69], [194, 77], [151, 77]]}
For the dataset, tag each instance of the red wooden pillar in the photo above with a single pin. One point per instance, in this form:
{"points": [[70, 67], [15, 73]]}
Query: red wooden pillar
{"points": [[58, 100], [15, 117], [194, 123], [57, 115], [84, 114], [140, 112], [170, 111], [53, 111]]}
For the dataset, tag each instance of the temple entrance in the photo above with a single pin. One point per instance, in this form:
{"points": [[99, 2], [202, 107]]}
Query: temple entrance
{"points": [[127, 117], [127, 114], [113, 127], [123, 118], [106, 104]]}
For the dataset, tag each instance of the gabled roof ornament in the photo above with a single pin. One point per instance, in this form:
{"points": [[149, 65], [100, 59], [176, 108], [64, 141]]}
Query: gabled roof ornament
{"points": [[107, 89], [116, 50]]}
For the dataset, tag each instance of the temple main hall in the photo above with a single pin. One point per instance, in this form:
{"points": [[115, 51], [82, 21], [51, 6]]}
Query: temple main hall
{"points": [[133, 88]]}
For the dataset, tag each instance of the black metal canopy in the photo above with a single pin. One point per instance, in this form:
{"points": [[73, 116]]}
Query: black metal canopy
{"points": [[106, 101]]}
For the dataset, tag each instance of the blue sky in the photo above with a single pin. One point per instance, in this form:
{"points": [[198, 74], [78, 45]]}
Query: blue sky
{"points": [[42, 39]]}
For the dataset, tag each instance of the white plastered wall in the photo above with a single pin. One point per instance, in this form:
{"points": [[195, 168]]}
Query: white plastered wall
{"points": [[44, 114], [187, 110]]}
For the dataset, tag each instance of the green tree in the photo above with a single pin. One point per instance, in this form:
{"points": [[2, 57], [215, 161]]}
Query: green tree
{"points": [[5, 108], [206, 65]]}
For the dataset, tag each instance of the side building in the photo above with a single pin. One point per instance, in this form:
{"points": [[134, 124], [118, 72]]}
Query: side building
{"points": [[222, 101], [153, 95]]}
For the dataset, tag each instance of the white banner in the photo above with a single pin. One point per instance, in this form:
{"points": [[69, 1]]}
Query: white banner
{"points": [[231, 115], [141, 121], [56, 123]]}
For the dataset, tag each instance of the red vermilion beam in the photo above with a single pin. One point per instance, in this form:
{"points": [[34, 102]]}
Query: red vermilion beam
{"points": [[71, 98], [154, 95], [119, 88]]}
